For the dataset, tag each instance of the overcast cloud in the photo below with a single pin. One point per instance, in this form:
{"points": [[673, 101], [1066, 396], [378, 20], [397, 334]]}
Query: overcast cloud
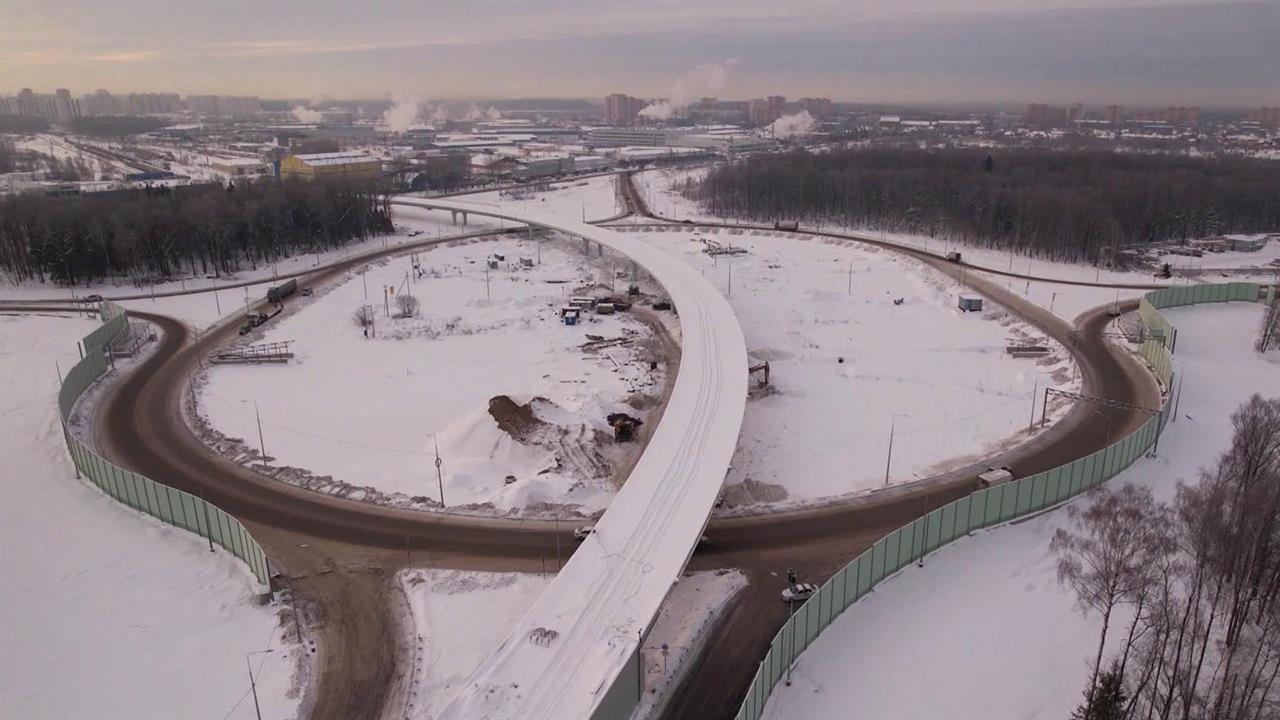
{"points": [[1126, 51]]}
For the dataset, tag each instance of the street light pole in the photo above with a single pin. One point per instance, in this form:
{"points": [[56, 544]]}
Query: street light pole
{"points": [[253, 685], [889, 459], [1104, 416], [262, 445], [439, 464]]}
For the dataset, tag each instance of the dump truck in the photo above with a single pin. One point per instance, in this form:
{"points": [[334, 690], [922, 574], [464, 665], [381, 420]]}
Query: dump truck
{"points": [[278, 293]]}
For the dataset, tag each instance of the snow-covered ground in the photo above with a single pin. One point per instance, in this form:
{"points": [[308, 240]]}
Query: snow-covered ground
{"points": [[660, 188], [985, 629], [845, 360], [593, 198], [105, 612], [371, 411], [460, 617]]}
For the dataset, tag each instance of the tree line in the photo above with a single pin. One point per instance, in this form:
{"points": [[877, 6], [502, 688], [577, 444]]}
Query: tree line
{"points": [[151, 234], [1063, 204], [1188, 592]]}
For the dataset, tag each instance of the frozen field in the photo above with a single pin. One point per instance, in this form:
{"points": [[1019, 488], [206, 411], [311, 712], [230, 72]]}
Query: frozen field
{"points": [[985, 629], [845, 358], [106, 613], [485, 362]]}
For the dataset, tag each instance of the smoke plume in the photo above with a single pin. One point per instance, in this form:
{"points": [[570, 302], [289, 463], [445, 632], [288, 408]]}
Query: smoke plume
{"points": [[307, 115], [401, 115], [801, 123]]}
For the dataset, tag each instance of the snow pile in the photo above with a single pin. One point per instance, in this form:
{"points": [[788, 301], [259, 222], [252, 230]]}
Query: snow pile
{"points": [[106, 612], [986, 620]]}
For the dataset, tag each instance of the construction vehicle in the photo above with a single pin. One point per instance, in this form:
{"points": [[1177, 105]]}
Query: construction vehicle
{"points": [[953, 256], [791, 225], [278, 293], [255, 319]]}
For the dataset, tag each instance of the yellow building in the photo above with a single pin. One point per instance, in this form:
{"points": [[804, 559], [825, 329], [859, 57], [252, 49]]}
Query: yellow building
{"points": [[341, 165]]}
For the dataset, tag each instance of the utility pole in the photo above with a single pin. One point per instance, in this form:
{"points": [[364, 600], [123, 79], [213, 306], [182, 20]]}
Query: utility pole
{"points": [[253, 686], [557, 541], [1035, 385], [889, 459], [439, 470], [486, 282], [262, 445]]}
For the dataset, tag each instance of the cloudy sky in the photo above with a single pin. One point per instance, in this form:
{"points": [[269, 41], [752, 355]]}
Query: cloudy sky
{"points": [[1094, 51]]}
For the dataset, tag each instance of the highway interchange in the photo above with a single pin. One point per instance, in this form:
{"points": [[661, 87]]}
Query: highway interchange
{"points": [[338, 556]]}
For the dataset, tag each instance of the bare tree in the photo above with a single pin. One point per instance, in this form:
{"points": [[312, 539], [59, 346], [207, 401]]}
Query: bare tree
{"points": [[1111, 555], [363, 316], [407, 305]]}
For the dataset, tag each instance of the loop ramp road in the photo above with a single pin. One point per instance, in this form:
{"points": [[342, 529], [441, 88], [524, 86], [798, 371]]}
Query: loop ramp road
{"points": [[588, 622]]}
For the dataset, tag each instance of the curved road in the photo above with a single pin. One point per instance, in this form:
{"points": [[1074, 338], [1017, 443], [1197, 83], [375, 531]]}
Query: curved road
{"points": [[337, 554]]}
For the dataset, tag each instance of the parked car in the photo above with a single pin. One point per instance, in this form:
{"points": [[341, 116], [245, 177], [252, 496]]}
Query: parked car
{"points": [[582, 532], [93, 298], [798, 592]]}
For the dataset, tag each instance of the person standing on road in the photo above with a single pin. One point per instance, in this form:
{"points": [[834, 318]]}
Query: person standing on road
{"points": [[791, 577]]}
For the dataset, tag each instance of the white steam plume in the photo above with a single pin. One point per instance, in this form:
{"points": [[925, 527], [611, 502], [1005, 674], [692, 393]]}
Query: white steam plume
{"points": [[801, 123], [307, 115], [401, 115], [658, 111]]}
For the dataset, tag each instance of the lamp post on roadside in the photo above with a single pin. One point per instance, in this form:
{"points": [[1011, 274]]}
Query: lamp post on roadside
{"points": [[439, 464], [253, 685], [262, 445], [1106, 417], [889, 459]]}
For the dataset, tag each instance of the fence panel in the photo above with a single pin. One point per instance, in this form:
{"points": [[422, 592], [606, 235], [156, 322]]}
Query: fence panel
{"points": [[136, 491], [983, 508]]}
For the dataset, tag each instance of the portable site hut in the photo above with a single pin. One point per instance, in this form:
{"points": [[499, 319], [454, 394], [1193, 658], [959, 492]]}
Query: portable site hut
{"points": [[970, 304]]}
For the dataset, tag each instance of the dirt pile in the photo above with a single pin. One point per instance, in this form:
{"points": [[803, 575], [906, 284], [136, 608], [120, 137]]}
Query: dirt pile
{"points": [[518, 421]]}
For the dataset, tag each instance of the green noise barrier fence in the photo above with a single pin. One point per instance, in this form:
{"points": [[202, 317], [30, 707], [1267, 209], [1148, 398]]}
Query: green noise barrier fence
{"points": [[170, 505], [988, 507]]}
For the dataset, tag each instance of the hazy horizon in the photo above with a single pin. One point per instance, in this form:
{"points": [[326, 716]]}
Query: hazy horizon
{"points": [[1131, 52]]}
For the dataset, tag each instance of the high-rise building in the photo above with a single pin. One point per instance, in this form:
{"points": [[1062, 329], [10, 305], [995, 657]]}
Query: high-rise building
{"points": [[777, 107], [223, 105], [1267, 117], [1045, 117], [152, 104], [817, 107], [622, 109], [1113, 115], [1075, 113], [758, 112], [1182, 116], [101, 102]]}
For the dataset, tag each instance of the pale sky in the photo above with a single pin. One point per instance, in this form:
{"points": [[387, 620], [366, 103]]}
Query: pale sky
{"points": [[911, 51]]}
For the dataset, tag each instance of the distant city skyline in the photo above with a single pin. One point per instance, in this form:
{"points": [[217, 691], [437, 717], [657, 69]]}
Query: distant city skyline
{"points": [[1132, 52]]}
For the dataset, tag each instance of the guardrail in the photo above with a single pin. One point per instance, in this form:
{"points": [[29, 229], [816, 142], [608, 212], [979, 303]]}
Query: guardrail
{"points": [[989, 507], [141, 493]]}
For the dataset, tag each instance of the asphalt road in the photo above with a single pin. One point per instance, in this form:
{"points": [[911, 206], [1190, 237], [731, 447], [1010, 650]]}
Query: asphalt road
{"points": [[338, 554]]}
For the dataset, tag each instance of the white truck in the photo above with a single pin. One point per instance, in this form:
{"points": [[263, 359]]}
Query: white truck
{"points": [[995, 476]]}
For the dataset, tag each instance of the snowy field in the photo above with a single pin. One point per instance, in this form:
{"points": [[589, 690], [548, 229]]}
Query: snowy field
{"points": [[371, 411], [105, 612], [660, 190], [461, 617], [985, 626], [846, 358], [592, 199]]}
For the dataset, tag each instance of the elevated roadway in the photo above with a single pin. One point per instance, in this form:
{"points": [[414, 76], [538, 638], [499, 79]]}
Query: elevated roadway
{"points": [[564, 655]]}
